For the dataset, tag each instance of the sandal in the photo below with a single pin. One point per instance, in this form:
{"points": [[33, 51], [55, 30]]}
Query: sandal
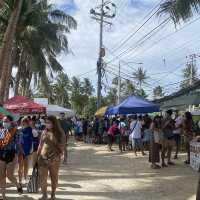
{"points": [[164, 165], [53, 197], [155, 167], [171, 163], [187, 162], [44, 197], [20, 189]]}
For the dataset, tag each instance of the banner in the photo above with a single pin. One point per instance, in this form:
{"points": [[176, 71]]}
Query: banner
{"points": [[195, 155]]}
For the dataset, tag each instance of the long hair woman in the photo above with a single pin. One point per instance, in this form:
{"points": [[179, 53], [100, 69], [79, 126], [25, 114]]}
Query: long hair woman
{"points": [[8, 146], [50, 149], [154, 153]]}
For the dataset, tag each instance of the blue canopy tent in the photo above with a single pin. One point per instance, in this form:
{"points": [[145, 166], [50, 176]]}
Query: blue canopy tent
{"points": [[133, 105]]}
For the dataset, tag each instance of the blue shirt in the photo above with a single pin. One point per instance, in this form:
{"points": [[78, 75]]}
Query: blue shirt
{"points": [[27, 140]]}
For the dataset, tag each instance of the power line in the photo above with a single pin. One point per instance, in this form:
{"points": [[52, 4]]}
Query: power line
{"points": [[140, 40], [169, 35], [137, 30], [88, 72]]}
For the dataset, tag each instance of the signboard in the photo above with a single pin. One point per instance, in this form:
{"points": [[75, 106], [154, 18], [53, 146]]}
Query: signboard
{"points": [[42, 101], [195, 155]]}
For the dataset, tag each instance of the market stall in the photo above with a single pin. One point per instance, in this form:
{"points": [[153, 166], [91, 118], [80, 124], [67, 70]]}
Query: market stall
{"points": [[56, 110], [23, 106], [4, 112], [134, 105], [195, 155]]}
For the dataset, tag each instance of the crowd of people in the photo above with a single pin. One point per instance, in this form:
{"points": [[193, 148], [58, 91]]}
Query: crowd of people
{"points": [[29, 142], [42, 141], [160, 135]]}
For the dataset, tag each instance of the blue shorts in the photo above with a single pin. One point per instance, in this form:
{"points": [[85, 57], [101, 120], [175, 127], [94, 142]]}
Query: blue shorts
{"points": [[137, 143], [177, 138]]}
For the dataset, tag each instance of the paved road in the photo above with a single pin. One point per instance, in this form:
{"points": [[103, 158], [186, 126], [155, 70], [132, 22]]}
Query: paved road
{"points": [[95, 174]]}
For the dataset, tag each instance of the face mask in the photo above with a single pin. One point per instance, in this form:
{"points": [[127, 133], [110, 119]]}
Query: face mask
{"points": [[6, 125], [49, 126], [37, 126]]}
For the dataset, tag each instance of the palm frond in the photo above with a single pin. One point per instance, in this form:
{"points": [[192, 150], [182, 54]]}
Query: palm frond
{"points": [[179, 9], [61, 16]]}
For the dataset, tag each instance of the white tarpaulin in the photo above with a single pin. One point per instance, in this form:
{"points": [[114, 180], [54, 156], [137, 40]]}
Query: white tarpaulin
{"points": [[56, 110]]}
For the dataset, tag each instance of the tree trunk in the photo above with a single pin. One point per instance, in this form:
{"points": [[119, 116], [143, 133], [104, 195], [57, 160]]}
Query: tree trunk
{"points": [[6, 51], [28, 84], [1, 3], [17, 81], [7, 91]]}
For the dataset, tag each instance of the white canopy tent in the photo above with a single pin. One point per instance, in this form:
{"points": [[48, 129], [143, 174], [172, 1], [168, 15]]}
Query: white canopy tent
{"points": [[56, 110]]}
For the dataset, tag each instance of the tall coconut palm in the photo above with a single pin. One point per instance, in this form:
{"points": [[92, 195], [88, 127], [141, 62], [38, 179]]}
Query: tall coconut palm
{"points": [[61, 90], [158, 92], [140, 76], [1, 3], [180, 9], [189, 75], [40, 37], [7, 46]]}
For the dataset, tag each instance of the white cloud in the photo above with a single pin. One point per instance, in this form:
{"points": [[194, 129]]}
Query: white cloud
{"points": [[85, 42]]}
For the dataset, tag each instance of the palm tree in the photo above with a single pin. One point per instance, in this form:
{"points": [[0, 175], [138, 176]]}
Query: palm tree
{"points": [[40, 36], [87, 87], [140, 76], [61, 90], [179, 9], [158, 92], [189, 75], [1, 3], [128, 89], [7, 46]]}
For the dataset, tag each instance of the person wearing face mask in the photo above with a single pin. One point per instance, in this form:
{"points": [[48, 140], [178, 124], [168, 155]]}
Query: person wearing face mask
{"points": [[27, 149], [50, 150], [9, 143], [35, 131]]}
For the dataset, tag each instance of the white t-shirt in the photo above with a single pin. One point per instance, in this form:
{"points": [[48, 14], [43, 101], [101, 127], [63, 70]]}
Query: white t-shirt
{"points": [[35, 133], [122, 125], [178, 122], [136, 133]]}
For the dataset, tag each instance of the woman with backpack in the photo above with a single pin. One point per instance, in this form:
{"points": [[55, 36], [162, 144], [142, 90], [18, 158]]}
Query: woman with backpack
{"points": [[9, 142]]}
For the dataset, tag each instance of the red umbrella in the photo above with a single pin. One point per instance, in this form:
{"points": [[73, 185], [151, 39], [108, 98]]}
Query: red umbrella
{"points": [[23, 105]]}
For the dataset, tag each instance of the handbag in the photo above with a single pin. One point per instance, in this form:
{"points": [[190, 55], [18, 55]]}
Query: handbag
{"points": [[33, 184], [7, 155]]}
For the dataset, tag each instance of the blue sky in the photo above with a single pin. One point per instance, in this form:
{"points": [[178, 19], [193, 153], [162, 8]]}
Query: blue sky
{"points": [[163, 55]]}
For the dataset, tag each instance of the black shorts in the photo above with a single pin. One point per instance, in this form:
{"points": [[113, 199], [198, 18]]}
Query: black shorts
{"points": [[177, 138], [110, 139], [7, 156]]}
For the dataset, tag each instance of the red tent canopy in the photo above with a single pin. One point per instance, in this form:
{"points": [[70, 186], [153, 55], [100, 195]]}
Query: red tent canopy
{"points": [[23, 105]]}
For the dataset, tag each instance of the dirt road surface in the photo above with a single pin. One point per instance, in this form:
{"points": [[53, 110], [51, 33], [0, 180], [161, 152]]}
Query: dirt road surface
{"points": [[93, 173]]}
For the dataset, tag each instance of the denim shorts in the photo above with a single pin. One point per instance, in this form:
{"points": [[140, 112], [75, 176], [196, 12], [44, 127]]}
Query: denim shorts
{"points": [[137, 143]]}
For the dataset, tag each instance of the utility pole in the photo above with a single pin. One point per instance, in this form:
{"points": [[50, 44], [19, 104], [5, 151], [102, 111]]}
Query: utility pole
{"points": [[192, 64], [107, 10], [119, 84]]}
